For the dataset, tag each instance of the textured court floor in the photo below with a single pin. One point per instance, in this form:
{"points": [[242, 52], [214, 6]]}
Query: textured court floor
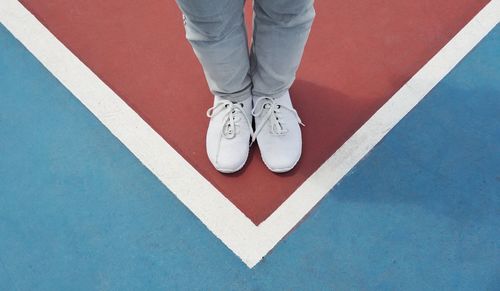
{"points": [[78, 211]]}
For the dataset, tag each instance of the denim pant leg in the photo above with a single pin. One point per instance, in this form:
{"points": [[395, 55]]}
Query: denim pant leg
{"points": [[281, 29], [216, 31]]}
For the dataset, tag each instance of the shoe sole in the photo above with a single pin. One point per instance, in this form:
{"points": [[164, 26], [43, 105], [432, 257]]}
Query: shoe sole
{"points": [[281, 170], [232, 171]]}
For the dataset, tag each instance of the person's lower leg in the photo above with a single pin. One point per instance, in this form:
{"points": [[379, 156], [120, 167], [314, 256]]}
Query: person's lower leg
{"points": [[281, 30], [217, 34]]}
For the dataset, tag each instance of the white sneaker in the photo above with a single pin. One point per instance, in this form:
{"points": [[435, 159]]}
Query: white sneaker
{"points": [[277, 132], [229, 134]]}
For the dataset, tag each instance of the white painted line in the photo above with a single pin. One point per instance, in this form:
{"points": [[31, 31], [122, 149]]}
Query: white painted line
{"points": [[251, 243]]}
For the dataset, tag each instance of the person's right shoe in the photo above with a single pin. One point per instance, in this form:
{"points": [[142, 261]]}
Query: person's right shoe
{"points": [[277, 132], [229, 134]]}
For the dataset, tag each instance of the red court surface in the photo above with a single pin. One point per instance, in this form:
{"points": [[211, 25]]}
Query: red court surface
{"points": [[356, 59]]}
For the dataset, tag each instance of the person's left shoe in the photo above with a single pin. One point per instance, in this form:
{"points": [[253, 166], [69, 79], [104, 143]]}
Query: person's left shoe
{"points": [[277, 132]]}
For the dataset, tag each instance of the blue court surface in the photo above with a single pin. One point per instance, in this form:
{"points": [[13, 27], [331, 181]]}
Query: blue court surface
{"points": [[79, 212]]}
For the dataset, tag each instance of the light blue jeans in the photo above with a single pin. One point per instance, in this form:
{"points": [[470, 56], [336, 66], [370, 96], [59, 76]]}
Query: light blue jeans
{"points": [[217, 33]]}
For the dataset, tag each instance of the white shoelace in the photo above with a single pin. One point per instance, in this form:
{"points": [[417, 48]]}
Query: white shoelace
{"points": [[272, 115], [231, 118]]}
